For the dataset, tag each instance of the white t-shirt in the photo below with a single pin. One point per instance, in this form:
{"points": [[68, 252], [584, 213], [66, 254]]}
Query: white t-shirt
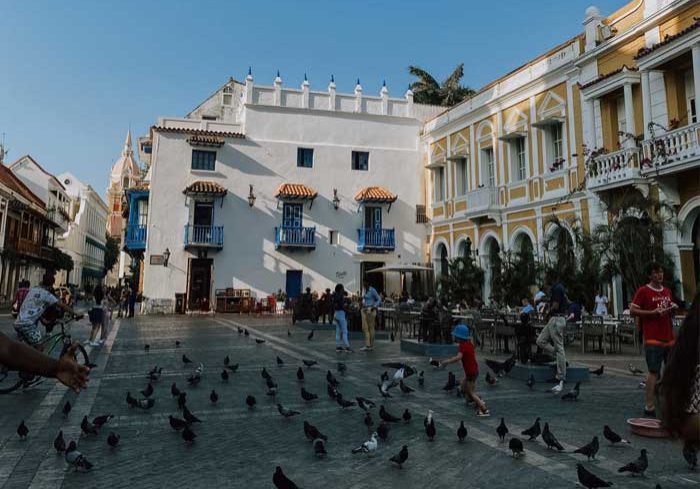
{"points": [[601, 305], [34, 305], [539, 296]]}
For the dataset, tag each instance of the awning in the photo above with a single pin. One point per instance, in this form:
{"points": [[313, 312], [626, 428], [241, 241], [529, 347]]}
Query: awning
{"points": [[211, 141], [375, 195], [203, 187], [400, 268], [548, 122], [513, 135], [295, 191]]}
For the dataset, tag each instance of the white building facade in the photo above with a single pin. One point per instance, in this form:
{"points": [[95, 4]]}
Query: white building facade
{"points": [[268, 188]]}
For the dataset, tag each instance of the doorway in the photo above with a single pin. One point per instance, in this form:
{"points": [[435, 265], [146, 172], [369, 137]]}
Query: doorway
{"points": [[376, 280], [203, 214], [199, 284], [293, 284]]}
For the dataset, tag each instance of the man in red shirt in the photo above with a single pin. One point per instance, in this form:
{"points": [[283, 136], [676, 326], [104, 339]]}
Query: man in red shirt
{"points": [[653, 305]]}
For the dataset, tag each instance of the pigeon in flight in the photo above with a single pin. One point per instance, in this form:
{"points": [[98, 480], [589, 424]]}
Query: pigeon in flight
{"points": [[421, 379], [386, 416], [531, 381], [312, 432], [497, 367], [516, 447], [308, 396], [384, 388], [342, 402], [634, 370], [406, 416], [185, 360], [599, 371], [176, 423], [502, 430], [87, 427], [66, 409], [189, 417], [76, 459], [310, 336], [113, 440], [224, 375], [550, 439], [188, 435], [214, 397], [365, 404], [590, 449], [259, 341], [588, 479], [383, 431], [281, 481], [572, 395], [433, 363], [533, 431], [342, 368], [280, 362], [148, 391], [369, 447], [22, 430], [286, 413], [300, 375], [611, 436], [461, 431], [639, 466], [320, 448], [59, 443], [400, 458], [250, 401], [368, 421], [429, 424], [174, 391], [310, 363], [404, 388]]}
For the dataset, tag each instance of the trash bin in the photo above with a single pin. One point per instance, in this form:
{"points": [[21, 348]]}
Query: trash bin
{"points": [[179, 303]]}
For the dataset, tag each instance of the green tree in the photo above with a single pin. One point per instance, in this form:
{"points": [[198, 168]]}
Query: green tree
{"points": [[427, 90], [462, 282], [62, 261], [512, 275], [111, 252]]}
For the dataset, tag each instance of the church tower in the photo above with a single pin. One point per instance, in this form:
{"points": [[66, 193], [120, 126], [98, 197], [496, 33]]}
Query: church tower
{"points": [[125, 174]]}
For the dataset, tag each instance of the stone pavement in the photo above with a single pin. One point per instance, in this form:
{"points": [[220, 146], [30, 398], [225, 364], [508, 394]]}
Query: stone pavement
{"points": [[238, 447]]}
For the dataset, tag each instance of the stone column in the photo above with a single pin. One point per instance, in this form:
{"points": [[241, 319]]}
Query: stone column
{"points": [[696, 75], [646, 103], [629, 114], [590, 124]]}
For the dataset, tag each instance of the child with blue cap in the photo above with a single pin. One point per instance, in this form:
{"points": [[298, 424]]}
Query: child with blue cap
{"points": [[467, 355]]}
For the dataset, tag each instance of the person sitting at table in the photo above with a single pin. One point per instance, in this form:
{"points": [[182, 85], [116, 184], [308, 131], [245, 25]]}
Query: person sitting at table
{"points": [[527, 307]]}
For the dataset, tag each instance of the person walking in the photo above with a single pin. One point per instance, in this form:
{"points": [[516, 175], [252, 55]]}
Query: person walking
{"points": [[551, 340], [96, 316], [370, 302], [132, 301], [601, 304], [325, 307], [340, 318], [653, 305]]}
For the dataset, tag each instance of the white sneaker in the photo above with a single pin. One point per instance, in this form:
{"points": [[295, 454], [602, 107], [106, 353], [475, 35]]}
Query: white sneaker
{"points": [[557, 388], [642, 385], [100, 342]]}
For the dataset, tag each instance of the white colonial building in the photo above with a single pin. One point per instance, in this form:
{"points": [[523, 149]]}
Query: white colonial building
{"points": [[270, 188]]}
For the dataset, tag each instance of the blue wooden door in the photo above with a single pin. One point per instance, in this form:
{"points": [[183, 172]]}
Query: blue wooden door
{"points": [[291, 216], [373, 217], [293, 286]]}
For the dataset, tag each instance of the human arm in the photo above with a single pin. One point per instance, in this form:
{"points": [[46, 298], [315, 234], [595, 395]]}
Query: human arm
{"points": [[456, 358]]}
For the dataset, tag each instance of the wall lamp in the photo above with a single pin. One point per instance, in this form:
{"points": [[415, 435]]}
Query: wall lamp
{"points": [[336, 199], [251, 197], [166, 257]]}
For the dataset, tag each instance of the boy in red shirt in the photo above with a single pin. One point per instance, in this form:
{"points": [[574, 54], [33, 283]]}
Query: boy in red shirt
{"points": [[467, 355], [653, 305]]}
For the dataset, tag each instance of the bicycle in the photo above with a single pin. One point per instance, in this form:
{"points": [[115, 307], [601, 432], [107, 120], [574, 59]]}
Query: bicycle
{"points": [[50, 341]]}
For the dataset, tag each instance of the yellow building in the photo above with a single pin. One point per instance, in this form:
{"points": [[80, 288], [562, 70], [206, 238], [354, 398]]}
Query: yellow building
{"points": [[501, 166]]}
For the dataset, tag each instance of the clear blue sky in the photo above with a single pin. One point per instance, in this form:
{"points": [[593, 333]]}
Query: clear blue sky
{"points": [[77, 74]]}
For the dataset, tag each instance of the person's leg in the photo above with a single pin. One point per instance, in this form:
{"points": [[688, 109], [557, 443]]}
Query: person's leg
{"points": [[371, 325], [558, 340], [470, 392], [344, 330], [543, 340], [364, 314], [105, 325], [338, 332], [654, 358]]}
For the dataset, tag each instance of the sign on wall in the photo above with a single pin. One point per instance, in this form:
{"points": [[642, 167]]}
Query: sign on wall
{"points": [[157, 260]]}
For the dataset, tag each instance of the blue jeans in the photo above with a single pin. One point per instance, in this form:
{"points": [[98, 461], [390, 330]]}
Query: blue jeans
{"points": [[341, 330]]}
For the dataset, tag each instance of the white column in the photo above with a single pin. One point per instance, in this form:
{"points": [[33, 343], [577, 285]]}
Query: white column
{"points": [[696, 74], [590, 124], [646, 103], [629, 114]]}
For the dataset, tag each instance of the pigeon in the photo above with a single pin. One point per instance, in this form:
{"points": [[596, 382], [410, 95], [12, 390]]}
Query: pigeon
{"points": [[185, 360], [300, 375], [599, 371], [691, 456], [369, 447], [403, 371], [342, 368], [280, 362], [639, 466], [531, 381], [386, 416], [240, 330], [588, 479], [331, 379], [611, 436], [177, 343], [312, 432], [224, 375], [461, 431], [365, 404], [87, 427], [368, 421], [270, 383], [342, 402], [227, 360], [265, 374], [76, 459], [174, 391], [404, 388], [406, 416], [634, 370], [286, 413], [154, 374], [188, 435], [384, 388], [509, 364], [59, 443], [392, 337], [146, 347], [572, 395], [189, 417], [131, 401], [533, 431], [400, 458], [550, 439], [590, 449], [383, 431], [148, 391], [421, 379], [145, 403], [451, 382], [310, 336], [490, 380], [502, 430], [433, 362], [259, 341], [194, 378], [233, 367], [310, 363], [308, 396], [113, 440], [516, 447], [332, 392], [250, 401], [176, 423], [281, 481], [246, 332], [182, 400], [496, 366], [66, 409], [429, 424], [320, 448], [214, 397]]}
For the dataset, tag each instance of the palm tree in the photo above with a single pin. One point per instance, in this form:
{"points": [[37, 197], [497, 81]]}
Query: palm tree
{"points": [[426, 90]]}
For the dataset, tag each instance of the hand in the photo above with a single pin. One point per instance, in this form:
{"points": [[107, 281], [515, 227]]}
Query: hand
{"points": [[69, 372]]}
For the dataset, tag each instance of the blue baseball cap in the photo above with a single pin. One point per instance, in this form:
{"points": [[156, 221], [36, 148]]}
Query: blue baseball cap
{"points": [[461, 331]]}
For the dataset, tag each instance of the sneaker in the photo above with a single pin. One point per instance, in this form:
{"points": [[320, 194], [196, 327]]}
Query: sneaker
{"points": [[100, 342], [557, 389], [483, 414], [365, 348], [338, 349], [642, 385], [349, 350]]}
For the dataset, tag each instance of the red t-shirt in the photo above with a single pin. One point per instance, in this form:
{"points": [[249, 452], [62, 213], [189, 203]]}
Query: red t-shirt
{"points": [[466, 348], [655, 328]]}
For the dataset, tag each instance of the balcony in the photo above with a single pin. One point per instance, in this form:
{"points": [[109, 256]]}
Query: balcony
{"points": [[197, 236], [673, 152], [483, 203], [295, 237], [135, 237], [376, 240], [614, 170]]}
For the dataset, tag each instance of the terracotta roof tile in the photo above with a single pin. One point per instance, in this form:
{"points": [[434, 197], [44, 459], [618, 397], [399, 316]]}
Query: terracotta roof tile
{"points": [[205, 187], [295, 191], [606, 76], [375, 194], [206, 141], [199, 132], [15, 184], [669, 38]]}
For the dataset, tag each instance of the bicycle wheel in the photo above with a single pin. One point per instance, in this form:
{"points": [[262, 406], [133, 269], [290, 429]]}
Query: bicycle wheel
{"points": [[9, 383], [80, 356]]}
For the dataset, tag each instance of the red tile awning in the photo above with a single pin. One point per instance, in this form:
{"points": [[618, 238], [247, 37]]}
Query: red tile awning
{"points": [[203, 187], [375, 194], [295, 191], [668, 38], [211, 141]]}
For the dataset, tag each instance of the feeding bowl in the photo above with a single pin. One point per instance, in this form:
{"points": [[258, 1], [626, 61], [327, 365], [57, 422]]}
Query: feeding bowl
{"points": [[648, 427]]}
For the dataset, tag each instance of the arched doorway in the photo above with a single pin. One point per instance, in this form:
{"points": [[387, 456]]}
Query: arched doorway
{"points": [[443, 264], [560, 251], [464, 249], [689, 247]]}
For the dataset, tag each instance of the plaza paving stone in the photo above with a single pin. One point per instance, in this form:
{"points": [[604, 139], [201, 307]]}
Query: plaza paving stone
{"points": [[238, 447]]}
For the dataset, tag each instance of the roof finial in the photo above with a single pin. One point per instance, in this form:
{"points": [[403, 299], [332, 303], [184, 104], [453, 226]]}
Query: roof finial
{"points": [[332, 78], [250, 71], [278, 74], [383, 83], [305, 78], [358, 81], [127, 144]]}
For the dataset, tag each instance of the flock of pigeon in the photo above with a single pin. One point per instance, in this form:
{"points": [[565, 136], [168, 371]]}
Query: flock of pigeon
{"points": [[184, 424]]}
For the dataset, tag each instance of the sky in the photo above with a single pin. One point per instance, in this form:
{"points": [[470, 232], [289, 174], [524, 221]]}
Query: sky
{"points": [[77, 74]]}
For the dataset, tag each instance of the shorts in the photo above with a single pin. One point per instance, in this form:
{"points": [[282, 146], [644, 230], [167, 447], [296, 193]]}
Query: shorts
{"points": [[655, 356], [30, 333], [471, 377]]}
